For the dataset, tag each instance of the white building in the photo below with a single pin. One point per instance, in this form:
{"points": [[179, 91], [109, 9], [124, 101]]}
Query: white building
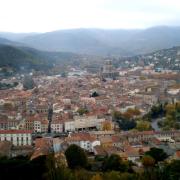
{"points": [[17, 137], [84, 140], [37, 126], [57, 127], [82, 123], [85, 122], [69, 126], [173, 91]]}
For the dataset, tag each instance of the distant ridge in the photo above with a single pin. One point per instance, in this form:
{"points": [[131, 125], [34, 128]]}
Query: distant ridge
{"points": [[121, 42], [106, 42], [9, 42]]}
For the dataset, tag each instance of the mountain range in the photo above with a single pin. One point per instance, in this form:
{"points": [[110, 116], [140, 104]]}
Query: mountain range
{"points": [[104, 42], [43, 50]]}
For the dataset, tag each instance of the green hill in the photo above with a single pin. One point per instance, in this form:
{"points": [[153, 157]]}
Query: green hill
{"points": [[19, 58], [16, 57]]}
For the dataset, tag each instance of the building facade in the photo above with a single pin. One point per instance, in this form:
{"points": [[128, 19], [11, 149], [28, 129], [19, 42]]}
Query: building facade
{"points": [[17, 137]]}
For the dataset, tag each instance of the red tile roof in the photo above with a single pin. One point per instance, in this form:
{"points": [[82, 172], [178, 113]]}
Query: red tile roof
{"points": [[178, 154], [14, 131], [81, 137]]}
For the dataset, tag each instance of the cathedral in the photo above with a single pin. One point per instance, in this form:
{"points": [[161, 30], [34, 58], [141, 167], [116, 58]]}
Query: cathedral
{"points": [[108, 71]]}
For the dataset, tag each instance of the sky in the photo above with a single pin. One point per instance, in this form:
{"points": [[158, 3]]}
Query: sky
{"points": [[49, 15]]}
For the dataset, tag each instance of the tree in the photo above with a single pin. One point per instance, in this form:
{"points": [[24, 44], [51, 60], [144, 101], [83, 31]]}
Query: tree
{"points": [[115, 175], [150, 172], [107, 126], [172, 116], [126, 124], [157, 153], [173, 170], [76, 157], [124, 120], [114, 162], [64, 74], [157, 111], [142, 78], [170, 109], [133, 112], [143, 125], [148, 161], [28, 82], [96, 177], [22, 168], [63, 173], [95, 94], [178, 107], [82, 111], [137, 112], [50, 164], [8, 106], [117, 115], [82, 174], [128, 115]]}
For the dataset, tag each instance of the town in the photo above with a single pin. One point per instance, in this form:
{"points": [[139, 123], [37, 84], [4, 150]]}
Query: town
{"points": [[104, 113]]}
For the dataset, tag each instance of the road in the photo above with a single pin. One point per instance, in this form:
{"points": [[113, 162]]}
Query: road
{"points": [[154, 124]]}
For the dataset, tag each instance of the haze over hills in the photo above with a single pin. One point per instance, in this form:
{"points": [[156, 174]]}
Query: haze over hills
{"points": [[5, 41], [15, 36], [17, 57], [67, 45], [119, 42]]}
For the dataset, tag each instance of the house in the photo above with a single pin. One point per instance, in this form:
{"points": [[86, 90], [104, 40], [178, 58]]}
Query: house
{"points": [[132, 153], [8, 123], [84, 140], [43, 146], [57, 126], [87, 122], [5, 148], [106, 141], [109, 150], [36, 123], [118, 141], [69, 126], [59, 145], [98, 134], [17, 137], [44, 125], [99, 151], [4, 124], [37, 126], [29, 123], [140, 136], [177, 155]]}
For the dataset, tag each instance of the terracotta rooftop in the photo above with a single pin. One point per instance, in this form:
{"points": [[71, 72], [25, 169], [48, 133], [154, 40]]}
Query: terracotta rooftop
{"points": [[15, 131], [80, 137], [178, 153]]}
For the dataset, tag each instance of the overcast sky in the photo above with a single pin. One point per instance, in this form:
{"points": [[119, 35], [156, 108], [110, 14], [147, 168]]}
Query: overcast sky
{"points": [[49, 15]]}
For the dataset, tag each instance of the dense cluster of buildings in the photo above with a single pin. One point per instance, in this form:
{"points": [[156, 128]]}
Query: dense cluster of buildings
{"points": [[82, 108]]}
